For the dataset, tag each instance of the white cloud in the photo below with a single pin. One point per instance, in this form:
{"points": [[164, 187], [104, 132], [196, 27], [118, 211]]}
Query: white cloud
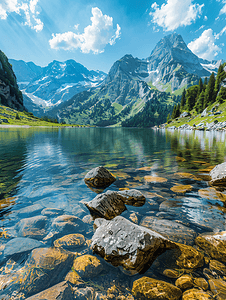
{"points": [[205, 46], [94, 38], [223, 10], [175, 13], [25, 8]]}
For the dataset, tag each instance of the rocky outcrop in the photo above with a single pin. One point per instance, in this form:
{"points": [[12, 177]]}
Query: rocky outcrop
{"points": [[9, 92], [99, 178], [218, 175], [126, 244], [153, 289]]}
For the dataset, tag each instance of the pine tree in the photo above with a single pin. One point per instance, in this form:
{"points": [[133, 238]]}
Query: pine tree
{"points": [[209, 92], [200, 86], [221, 97], [221, 74], [200, 102], [183, 100], [191, 97]]}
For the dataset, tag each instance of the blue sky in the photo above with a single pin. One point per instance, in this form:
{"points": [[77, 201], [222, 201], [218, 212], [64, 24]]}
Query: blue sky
{"points": [[97, 33]]}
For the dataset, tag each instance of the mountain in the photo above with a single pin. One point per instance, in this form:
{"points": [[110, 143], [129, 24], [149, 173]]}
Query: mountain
{"points": [[138, 92], [10, 95], [54, 84]]}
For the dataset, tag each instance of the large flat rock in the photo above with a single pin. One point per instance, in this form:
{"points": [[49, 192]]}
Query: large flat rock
{"points": [[218, 175], [123, 243]]}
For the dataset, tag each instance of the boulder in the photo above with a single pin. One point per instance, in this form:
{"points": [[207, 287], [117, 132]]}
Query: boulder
{"points": [[107, 205], [87, 266], [34, 227], [214, 245], [185, 114], [99, 178], [218, 175], [60, 291], [196, 294], [201, 282], [70, 242], [149, 288], [44, 268], [218, 288], [65, 224], [123, 243], [171, 230], [184, 282], [204, 113], [87, 293], [20, 245], [133, 197]]}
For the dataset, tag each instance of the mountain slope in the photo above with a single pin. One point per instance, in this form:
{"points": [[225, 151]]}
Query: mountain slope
{"points": [[55, 83], [10, 94]]}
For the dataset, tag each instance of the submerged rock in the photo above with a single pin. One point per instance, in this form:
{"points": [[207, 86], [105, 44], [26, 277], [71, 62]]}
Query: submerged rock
{"points": [[34, 227], [170, 229], [45, 267], [99, 178], [70, 241], [218, 288], [87, 293], [196, 294], [126, 244], [133, 197], [60, 291], [107, 205], [87, 265], [218, 175], [20, 245], [65, 224], [184, 282], [149, 288], [214, 245], [202, 283]]}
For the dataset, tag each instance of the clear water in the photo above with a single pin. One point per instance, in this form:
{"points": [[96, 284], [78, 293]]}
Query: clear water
{"points": [[46, 166]]}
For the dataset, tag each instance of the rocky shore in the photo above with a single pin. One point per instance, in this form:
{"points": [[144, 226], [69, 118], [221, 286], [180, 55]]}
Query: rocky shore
{"points": [[52, 255]]}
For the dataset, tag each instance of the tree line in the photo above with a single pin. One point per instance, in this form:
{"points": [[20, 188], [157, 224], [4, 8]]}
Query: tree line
{"points": [[200, 96]]}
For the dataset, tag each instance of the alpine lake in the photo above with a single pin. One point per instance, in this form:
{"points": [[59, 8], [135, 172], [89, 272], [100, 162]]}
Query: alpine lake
{"points": [[42, 174]]}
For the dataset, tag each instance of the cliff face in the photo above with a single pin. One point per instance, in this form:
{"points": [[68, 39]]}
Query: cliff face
{"points": [[10, 95]]}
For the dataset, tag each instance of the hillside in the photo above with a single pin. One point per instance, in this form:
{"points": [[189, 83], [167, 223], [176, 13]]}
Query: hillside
{"points": [[10, 95]]}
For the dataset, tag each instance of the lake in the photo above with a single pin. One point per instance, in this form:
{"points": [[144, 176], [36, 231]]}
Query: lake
{"points": [[42, 175]]}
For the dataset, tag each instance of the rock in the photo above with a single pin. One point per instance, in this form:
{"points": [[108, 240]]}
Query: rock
{"points": [[87, 219], [126, 244], [73, 277], [87, 293], [134, 218], [218, 288], [44, 268], [60, 291], [186, 175], [99, 178], [49, 212], [171, 273], [185, 114], [107, 205], [30, 210], [181, 189], [209, 274], [184, 282], [196, 294], [217, 267], [202, 283], [87, 266], [171, 230], [65, 224], [34, 227], [132, 197], [190, 258], [214, 245], [70, 242], [155, 179], [149, 288], [20, 245], [218, 175]]}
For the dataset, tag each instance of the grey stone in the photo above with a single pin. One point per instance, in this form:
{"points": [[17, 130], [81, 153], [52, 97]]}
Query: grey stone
{"points": [[60, 291], [52, 211], [218, 175], [99, 178], [204, 113], [19, 245], [123, 243], [32, 227], [107, 205], [87, 293], [185, 114], [172, 230], [132, 197]]}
